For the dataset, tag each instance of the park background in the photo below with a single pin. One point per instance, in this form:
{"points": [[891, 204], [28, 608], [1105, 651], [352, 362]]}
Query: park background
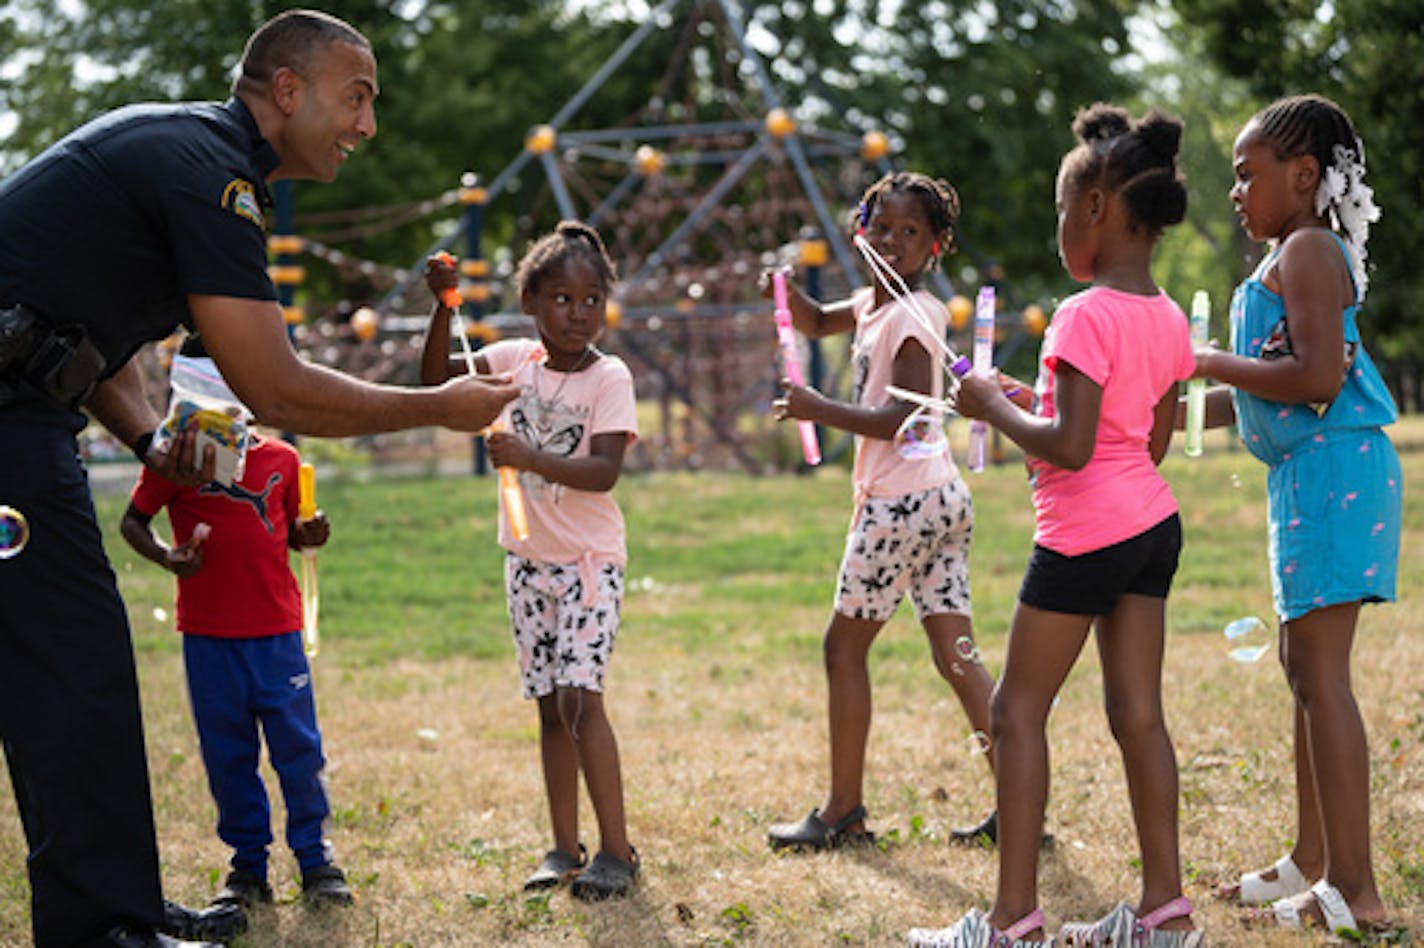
{"points": [[717, 692]]}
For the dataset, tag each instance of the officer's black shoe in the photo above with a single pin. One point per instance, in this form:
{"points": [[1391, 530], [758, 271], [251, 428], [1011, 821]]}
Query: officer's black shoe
{"points": [[218, 923], [123, 936]]}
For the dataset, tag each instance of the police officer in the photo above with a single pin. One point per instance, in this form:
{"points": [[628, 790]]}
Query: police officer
{"points": [[146, 218]]}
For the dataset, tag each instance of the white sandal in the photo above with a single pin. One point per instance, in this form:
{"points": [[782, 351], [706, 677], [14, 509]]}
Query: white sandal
{"points": [[1338, 917], [1289, 881]]}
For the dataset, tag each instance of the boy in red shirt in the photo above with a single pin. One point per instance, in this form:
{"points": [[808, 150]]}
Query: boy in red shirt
{"points": [[239, 609]]}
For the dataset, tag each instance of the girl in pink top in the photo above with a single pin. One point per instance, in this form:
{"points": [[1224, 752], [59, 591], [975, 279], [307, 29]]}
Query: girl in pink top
{"points": [[913, 516], [1107, 537], [565, 433]]}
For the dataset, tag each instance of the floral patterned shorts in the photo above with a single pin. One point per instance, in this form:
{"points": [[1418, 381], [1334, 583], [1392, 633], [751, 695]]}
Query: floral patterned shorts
{"points": [[918, 542], [562, 642]]}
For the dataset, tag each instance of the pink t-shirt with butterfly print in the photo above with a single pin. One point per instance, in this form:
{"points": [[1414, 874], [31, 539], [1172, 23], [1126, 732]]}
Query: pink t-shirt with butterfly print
{"points": [[880, 471], [560, 412]]}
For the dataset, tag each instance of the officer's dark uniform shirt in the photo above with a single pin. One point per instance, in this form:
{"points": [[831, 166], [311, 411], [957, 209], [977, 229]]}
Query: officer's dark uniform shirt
{"points": [[113, 226]]}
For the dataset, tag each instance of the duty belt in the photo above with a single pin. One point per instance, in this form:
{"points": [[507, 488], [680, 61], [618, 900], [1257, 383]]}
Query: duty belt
{"points": [[61, 362]]}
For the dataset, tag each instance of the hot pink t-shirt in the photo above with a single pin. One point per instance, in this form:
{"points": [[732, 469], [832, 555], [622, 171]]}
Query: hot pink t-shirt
{"points": [[1135, 348], [880, 470], [560, 412]]}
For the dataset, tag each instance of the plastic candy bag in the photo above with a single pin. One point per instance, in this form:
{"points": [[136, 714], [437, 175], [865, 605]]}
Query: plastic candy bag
{"points": [[201, 399]]}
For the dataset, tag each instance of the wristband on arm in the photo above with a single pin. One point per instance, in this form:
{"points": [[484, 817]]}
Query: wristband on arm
{"points": [[141, 445]]}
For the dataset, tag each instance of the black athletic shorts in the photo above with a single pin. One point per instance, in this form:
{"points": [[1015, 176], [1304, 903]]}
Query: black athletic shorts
{"points": [[1092, 583]]}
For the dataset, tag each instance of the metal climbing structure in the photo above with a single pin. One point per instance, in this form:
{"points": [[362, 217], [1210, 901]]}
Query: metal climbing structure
{"points": [[711, 181]]}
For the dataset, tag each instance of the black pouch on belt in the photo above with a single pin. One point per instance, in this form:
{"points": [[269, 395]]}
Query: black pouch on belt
{"points": [[63, 363]]}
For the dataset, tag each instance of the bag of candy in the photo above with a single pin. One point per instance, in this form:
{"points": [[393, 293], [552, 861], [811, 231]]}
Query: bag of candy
{"points": [[201, 399]]}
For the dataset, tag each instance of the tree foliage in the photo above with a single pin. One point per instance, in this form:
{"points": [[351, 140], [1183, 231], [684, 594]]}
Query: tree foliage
{"points": [[981, 94]]}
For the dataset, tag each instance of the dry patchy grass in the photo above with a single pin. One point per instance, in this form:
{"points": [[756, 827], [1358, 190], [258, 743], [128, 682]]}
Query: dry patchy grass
{"points": [[440, 811]]}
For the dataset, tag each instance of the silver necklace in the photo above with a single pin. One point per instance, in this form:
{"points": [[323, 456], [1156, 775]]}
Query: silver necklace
{"points": [[544, 422]]}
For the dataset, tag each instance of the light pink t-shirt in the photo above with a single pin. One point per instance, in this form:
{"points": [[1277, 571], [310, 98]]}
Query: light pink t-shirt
{"points": [[880, 470], [1135, 348], [560, 412]]}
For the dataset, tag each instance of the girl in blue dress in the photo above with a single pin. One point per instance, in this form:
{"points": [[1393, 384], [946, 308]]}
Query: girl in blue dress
{"points": [[1311, 405]]}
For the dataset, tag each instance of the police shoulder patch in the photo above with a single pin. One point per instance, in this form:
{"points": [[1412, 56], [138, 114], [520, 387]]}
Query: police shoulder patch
{"points": [[240, 197]]}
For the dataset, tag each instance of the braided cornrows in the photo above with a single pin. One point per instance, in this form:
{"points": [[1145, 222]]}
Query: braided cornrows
{"points": [[940, 201]]}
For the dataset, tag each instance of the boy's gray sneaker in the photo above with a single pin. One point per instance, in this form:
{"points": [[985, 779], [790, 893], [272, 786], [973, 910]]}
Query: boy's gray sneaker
{"points": [[326, 885], [243, 888]]}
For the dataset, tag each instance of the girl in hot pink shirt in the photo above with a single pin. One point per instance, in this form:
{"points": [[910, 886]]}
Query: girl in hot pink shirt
{"points": [[1107, 537]]}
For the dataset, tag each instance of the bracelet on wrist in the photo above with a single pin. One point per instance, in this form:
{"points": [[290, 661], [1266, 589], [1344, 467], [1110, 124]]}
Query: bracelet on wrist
{"points": [[141, 445]]}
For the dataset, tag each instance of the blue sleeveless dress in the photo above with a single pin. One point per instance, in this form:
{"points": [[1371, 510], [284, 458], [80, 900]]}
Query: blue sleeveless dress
{"points": [[1333, 486]]}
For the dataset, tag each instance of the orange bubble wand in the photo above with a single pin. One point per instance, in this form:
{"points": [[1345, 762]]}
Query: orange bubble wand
{"points": [[508, 476], [513, 496], [450, 297], [311, 599]]}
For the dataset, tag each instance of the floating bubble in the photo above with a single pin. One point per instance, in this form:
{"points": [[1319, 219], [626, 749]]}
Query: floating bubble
{"points": [[14, 532], [1243, 627], [920, 436], [966, 649], [978, 743], [1247, 633], [1248, 653], [160, 614]]}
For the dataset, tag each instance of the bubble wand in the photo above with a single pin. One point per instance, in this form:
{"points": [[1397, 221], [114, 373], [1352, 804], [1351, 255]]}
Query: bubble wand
{"points": [[508, 476], [983, 364], [810, 447], [1196, 388], [311, 599]]}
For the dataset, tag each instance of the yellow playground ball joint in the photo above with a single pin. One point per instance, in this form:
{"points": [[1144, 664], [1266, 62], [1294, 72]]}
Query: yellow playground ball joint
{"points": [[874, 146], [780, 123], [541, 139], [649, 160]]}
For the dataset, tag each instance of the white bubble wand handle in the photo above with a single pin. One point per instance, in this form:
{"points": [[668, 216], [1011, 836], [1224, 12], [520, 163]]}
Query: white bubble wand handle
{"points": [[983, 364], [1196, 388], [810, 447]]}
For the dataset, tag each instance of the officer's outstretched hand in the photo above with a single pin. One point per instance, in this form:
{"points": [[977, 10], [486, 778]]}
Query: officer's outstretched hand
{"points": [[472, 403]]}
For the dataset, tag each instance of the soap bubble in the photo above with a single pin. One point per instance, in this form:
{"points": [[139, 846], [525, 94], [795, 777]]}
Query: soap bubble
{"points": [[14, 532], [920, 436], [1250, 638]]}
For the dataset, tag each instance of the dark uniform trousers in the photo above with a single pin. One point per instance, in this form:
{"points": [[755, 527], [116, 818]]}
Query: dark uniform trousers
{"points": [[69, 708]]}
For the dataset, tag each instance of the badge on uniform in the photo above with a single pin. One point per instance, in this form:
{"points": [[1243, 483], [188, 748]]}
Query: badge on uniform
{"points": [[240, 197]]}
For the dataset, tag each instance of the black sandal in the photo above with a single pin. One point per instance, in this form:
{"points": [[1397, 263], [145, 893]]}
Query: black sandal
{"points": [[815, 833]]}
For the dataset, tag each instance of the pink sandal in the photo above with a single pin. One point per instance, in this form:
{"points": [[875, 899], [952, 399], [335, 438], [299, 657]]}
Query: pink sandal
{"points": [[1122, 927], [974, 931]]}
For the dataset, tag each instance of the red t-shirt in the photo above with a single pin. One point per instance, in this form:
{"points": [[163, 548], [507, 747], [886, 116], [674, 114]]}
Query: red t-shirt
{"points": [[245, 588]]}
